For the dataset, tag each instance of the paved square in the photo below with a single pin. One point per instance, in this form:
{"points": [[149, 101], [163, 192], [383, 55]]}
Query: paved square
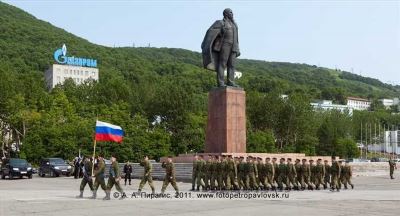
{"points": [[373, 195]]}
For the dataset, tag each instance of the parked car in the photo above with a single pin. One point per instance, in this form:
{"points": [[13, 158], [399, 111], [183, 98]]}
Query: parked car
{"points": [[379, 159], [15, 167], [54, 167]]}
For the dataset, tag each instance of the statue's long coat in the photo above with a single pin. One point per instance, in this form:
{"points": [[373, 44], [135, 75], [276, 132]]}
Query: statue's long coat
{"points": [[212, 43]]}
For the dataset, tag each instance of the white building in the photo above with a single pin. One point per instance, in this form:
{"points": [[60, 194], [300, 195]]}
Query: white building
{"points": [[358, 103], [58, 73], [387, 103], [390, 143], [325, 105]]}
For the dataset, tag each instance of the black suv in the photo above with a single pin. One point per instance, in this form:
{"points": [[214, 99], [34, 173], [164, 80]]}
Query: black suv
{"points": [[54, 167], [15, 167]]}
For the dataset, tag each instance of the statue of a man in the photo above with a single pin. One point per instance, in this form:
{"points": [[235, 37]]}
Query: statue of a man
{"points": [[220, 48]]}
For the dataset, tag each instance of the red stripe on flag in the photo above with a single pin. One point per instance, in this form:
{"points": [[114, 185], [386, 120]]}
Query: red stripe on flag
{"points": [[108, 137]]}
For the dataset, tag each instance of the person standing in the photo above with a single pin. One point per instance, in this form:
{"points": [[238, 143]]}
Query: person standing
{"points": [[114, 178], [148, 168], [128, 172], [87, 179], [306, 174], [392, 167], [99, 177], [231, 174], [169, 175]]}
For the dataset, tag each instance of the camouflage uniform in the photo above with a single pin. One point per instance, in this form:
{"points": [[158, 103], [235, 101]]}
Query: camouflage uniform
{"points": [[319, 175], [200, 175], [335, 175], [220, 175], [327, 177], [297, 166], [113, 179], [148, 168], [346, 177], [207, 174], [99, 177], [213, 174], [194, 173], [241, 175], [282, 175], [251, 172], [392, 166], [169, 176], [269, 175], [87, 179], [305, 176], [231, 175], [291, 176]]}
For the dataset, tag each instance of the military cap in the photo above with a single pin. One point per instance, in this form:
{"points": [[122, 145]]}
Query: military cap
{"points": [[289, 159], [304, 159], [325, 160], [274, 158], [319, 159], [297, 159], [268, 158]]}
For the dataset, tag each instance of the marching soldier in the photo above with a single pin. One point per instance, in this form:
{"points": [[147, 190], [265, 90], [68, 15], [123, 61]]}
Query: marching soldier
{"points": [[241, 173], [114, 179], [169, 175], [312, 168], [194, 172], [282, 174], [291, 175], [340, 180], [269, 174], [224, 164], [213, 173], [99, 177], [347, 174], [306, 174], [327, 177], [207, 173], [275, 164], [319, 174], [231, 174], [335, 175], [297, 166], [261, 173], [251, 174], [87, 179], [200, 169], [220, 175], [148, 168], [128, 172], [392, 167]]}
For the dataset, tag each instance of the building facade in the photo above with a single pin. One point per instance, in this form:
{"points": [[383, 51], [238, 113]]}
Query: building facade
{"points": [[358, 103], [324, 105], [58, 73]]}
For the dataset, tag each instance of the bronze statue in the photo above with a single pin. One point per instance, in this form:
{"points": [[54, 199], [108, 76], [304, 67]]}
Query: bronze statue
{"points": [[220, 48]]}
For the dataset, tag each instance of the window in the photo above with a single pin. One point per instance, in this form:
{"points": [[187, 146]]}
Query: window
{"points": [[87, 73]]}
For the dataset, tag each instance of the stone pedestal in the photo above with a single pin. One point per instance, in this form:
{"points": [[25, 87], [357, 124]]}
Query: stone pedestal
{"points": [[226, 125]]}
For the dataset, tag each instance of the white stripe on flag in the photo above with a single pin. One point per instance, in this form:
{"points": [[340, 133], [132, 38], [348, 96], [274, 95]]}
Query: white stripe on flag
{"points": [[105, 124]]}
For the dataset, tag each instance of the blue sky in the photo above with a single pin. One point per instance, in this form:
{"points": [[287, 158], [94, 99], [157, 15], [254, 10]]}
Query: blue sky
{"points": [[359, 36]]}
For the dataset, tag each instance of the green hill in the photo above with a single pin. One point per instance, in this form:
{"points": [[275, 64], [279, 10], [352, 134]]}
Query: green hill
{"points": [[137, 86]]}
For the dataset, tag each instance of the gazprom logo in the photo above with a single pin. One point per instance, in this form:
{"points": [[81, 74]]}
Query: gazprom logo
{"points": [[61, 57]]}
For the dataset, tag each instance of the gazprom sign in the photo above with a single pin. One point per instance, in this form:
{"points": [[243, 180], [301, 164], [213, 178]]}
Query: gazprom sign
{"points": [[61, 57]]}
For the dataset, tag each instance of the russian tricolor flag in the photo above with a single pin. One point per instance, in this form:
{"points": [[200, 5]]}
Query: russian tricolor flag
{"points": [[108, 132]]}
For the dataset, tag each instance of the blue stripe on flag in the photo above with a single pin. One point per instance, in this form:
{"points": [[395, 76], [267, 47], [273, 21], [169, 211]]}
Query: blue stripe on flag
{"points": [[107, 130]]}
